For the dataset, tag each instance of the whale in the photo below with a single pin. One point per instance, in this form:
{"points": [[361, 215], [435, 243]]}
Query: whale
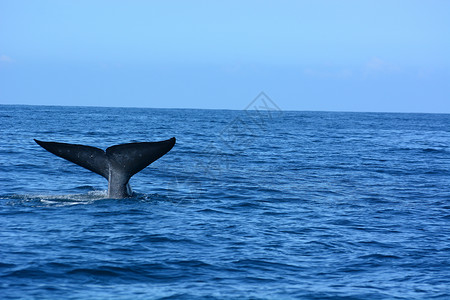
{"points": [[117, 163]]}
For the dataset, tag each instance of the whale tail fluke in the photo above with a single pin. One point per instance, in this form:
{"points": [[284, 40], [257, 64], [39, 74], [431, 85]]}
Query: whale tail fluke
{"points": [[91, 158], [117, 164], [134, 157]]}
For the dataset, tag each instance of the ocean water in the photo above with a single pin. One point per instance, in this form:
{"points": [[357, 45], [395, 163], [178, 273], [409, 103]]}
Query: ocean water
{"points": [[252, 204]]}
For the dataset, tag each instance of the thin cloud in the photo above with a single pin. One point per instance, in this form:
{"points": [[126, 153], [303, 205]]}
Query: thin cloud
{"points": [[325, 73], [6, 59], [377, 65]]}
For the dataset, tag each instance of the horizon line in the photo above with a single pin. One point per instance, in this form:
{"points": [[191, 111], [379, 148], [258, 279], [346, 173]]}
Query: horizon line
{"points": [[227, 109]]}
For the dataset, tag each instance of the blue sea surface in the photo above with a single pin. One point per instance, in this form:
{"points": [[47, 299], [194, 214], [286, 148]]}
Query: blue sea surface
{"points": [[251, 204]]}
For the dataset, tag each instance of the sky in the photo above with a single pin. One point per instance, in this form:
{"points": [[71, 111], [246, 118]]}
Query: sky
{"points": [[321, 55]]}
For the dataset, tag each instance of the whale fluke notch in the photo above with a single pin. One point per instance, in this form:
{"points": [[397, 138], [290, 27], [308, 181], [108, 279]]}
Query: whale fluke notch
{"points": [[117, 164]]}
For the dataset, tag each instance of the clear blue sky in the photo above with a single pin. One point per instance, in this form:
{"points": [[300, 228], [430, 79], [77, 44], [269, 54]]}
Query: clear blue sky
{"points": [[306, 55]]}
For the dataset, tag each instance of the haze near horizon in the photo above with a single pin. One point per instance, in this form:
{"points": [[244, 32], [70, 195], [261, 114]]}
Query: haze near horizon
{"points": [[380, 56]]}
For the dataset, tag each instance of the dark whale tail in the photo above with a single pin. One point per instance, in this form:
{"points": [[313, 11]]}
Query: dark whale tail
{"points": [[117, 164]]}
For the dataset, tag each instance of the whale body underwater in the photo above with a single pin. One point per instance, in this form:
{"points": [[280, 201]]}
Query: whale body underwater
{"points": [[117, 164]]}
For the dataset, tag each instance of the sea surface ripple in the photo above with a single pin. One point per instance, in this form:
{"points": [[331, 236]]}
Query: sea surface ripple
{"points": [[262, 204]]}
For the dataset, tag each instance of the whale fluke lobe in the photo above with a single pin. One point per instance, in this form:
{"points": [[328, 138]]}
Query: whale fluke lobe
{"points": [[91, 158], [117, 164], [134, 157]]}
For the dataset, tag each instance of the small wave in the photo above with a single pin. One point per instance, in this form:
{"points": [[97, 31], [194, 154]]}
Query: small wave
{"points": [[6, 265], [420, 149], [54, 200], [31, 272], [189, 263], [434, 150], [89, 197], [245, 205], [101, 271], [85, 188], [210, 211], [157, 238], [378, 256], [264, 265]]}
